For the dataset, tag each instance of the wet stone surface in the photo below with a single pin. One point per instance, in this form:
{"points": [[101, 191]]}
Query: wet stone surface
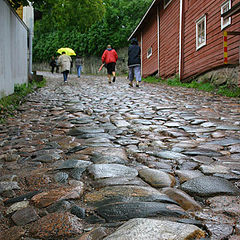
{"points": [[89, 160]]}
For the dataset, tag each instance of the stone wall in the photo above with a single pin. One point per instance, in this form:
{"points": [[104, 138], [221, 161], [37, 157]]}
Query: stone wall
{"points": [[92, 64], [223, 76]]}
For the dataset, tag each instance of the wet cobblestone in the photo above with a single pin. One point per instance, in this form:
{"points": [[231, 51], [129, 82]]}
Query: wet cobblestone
{"points": [[94, 160]]}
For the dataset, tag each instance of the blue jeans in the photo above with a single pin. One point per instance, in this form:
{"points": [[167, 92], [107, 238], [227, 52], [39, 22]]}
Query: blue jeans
{"points": [[65, 75], [135, 71], [79, 69]]}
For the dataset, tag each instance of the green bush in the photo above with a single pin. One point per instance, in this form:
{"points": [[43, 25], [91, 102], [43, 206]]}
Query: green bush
{"points": [[152, 80], [226, 90]]}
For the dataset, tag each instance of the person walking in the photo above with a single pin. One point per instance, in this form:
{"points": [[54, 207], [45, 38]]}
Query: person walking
{"points": [[110, 58], [57, 65], [79, 63], [53, 64], [134, 62], [65, 62]]}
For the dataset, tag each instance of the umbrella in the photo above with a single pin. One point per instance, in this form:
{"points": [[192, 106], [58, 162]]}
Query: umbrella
{"points": [[68, 51], [101, 67]]}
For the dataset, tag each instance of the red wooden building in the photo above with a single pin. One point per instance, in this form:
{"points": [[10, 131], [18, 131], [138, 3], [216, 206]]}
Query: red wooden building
{"points": [[185, 37]]}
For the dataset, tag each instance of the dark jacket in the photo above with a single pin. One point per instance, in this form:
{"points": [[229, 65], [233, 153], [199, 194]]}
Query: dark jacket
{"points": [[134, 53], [53, 63], [78, 61]]}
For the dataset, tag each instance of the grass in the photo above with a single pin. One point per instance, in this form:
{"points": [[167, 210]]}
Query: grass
{"points": [[9, 104], [225, 90]]}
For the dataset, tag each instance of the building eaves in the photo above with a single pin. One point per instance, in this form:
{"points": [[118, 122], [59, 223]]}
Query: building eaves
{"points": [[15, 13], [144, 17]]}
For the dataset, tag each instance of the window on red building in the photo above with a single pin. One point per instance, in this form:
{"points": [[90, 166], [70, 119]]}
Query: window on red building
{"points": [[149, 52], [224, 8], [201, 29]]}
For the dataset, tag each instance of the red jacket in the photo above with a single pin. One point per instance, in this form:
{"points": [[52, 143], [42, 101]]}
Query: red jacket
{"points": [[109, 56]]}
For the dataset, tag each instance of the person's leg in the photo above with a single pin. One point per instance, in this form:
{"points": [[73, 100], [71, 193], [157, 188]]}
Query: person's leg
{"points": [[114, 76], [52, 69], [80, 70], [131, 76], [114, 71], [137, 73], [64, 76], [109, 78], [67, 72], [109, 71]]}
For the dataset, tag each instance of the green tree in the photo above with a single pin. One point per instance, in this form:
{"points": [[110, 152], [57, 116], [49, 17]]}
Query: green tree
{"points": [[83, 27], [120, 19], [69, 14]]}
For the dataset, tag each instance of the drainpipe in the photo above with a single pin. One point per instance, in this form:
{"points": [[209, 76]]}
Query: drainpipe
{"points": [[29, 20], [158, 29], [180, 39], [30, 47]]}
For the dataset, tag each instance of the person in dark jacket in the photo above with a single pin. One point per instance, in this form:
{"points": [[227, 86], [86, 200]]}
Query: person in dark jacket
{"points": [[110, 58], [78, 64], [134, 62], [53, 63]]}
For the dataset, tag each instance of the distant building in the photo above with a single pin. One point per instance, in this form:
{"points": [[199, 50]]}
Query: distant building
{"points": [[26, 13], [185, 37], [14, 55]]}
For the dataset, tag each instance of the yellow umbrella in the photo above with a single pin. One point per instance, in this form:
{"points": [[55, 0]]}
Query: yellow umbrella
{"points": [[68, 51]]}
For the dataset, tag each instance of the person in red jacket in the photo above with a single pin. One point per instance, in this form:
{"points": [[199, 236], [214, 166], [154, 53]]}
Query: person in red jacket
{"points": [[109, 58]]}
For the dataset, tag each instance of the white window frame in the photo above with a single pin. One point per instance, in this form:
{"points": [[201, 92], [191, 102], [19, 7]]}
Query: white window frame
{"points": [[229, 19], [166, 3], [149, 52], [199, 21]]}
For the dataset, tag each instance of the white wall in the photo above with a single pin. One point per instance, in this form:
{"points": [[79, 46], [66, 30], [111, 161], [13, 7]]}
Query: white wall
{"points": [[13, 50]]}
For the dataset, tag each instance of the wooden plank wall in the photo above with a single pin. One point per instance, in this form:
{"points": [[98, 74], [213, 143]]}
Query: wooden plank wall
{"points": [[211, 55], [169, 39], [150, 39]]}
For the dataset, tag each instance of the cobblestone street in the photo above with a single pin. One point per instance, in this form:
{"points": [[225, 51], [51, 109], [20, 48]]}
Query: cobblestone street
{"points": [[90, 160]]}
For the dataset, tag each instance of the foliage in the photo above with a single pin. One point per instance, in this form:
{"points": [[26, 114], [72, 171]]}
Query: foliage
{"points": [[229, 91], [68, 15], [226, 90], [9, 104], [113, 25], [152, 80], [17, 3]]}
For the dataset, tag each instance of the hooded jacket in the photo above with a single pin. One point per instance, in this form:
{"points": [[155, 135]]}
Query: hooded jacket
{"points": [[109, 56], [134, 53], [65, 62]]}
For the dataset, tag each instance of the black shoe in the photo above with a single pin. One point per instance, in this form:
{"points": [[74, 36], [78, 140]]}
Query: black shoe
{"points": [[114, 78], [131, 84]]}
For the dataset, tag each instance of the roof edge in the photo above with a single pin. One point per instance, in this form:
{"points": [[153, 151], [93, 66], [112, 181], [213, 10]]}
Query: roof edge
{"points": [[16, 15], [143, 18]]}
